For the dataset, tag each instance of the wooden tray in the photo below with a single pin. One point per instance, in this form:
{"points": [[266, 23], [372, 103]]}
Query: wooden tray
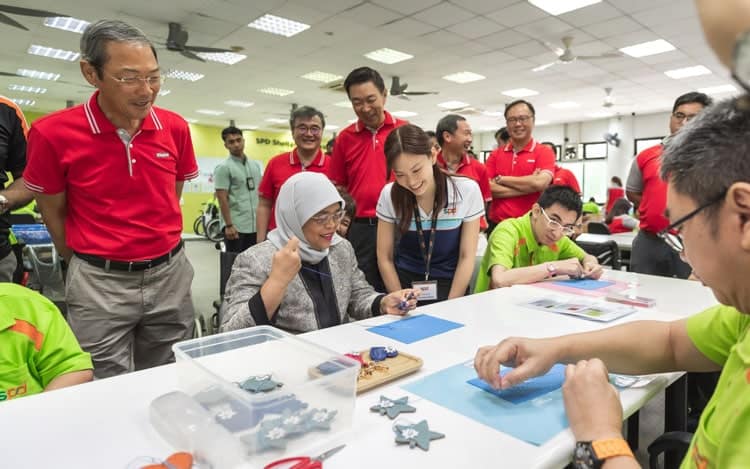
{"points": [[398, 366]]}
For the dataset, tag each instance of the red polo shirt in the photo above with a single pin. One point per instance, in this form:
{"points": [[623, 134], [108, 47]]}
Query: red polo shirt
{"points": [[283, 166], [654, 198], [613, 195], [358, 162], [506, 162], [565, 177], [112, 212]]}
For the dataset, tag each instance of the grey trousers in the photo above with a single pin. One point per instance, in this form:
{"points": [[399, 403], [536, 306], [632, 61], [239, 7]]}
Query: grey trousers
{"points": [[8, 266], [129, 320], [651, 255]]}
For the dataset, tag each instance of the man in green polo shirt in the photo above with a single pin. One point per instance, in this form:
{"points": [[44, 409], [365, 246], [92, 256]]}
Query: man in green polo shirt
{"points": [[236, 183], [536, 246], [38, 351]]}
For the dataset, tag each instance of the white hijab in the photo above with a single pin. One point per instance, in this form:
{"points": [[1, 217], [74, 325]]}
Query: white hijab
{"points": [[302, 196]]}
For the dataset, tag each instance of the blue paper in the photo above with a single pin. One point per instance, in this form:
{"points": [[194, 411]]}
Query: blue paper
{"points": [[534, 421], [584, 284], [414, 328], [529, 389]]}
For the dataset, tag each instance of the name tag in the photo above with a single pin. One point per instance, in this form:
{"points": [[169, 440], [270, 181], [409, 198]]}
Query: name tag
{"points": [[427, 290]]}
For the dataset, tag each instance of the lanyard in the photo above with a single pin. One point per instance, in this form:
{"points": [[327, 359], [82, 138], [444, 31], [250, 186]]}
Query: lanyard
{"points": [[426, 250]]}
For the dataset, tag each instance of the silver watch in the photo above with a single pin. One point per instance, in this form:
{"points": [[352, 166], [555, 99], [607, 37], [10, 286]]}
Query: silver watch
{"points": [[3, 204]]}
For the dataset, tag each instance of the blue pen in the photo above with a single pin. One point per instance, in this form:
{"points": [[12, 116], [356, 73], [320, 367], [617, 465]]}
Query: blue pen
{"points": [[405, 303]]}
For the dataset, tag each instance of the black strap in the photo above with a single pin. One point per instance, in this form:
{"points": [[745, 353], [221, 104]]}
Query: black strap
{"points": [[426, 250]]}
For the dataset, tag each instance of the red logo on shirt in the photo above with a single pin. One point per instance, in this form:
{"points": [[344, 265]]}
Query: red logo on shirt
{"points": [[747, 376]]}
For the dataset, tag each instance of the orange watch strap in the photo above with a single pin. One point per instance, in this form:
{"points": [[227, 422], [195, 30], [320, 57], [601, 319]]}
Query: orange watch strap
{"points": [[604, 449]]}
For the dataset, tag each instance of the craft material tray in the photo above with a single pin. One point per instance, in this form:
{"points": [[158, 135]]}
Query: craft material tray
{"points": [[398, 366]]}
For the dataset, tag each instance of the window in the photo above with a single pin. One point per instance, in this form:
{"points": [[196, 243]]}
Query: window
{"points": [[595, 150], [641, 144]]}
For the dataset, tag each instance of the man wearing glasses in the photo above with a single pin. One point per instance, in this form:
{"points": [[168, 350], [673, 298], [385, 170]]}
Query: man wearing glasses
{"points": [[536, 246], [648, 191], [520, 170], [108, 175], [236, 182], [307, 125]]}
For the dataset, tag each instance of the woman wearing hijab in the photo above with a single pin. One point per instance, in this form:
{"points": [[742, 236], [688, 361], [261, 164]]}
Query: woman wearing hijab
{"points": [[304, 276]]}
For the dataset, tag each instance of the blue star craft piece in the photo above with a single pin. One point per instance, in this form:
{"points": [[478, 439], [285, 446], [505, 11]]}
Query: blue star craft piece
{"points": [[416, 435], [256, 384], [392, 407]]}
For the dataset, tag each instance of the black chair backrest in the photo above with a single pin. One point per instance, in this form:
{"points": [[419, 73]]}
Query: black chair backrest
{"points": [[606, 252], [595, 227], [226, 261]]}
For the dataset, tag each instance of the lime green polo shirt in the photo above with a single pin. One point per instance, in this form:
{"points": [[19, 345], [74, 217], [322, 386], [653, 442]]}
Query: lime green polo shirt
{"points": [[512, 244], [36, 344], [721, 440], [591, 207], [241, 180]]}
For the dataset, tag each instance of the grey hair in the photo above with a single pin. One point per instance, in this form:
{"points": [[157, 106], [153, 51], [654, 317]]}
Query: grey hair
{"points": [[305, 112], [709, 154], [98, 34]]}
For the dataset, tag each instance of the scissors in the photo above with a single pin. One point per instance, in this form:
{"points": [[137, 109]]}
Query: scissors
{"points": [[305, 462]]}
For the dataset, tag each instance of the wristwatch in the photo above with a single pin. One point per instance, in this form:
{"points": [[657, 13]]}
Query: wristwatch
{"points": [[592, 454], [551, 270], [3, 203], [741, 60]]}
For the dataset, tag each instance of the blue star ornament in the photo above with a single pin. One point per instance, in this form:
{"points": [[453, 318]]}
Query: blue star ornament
{"points": [[320, 419], [392, 407], [416, 435], [262, 383]]}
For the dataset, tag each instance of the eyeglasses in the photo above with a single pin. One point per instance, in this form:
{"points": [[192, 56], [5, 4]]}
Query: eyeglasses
{"points": [[671, 234], [303, 129], [556, 225], [325, 218], [133, 82], [681, 116], [519, 119]]}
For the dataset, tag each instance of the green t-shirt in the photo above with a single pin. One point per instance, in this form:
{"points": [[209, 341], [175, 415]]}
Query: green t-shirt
{"points": [[240, 180], [512, 244], [721, 440], [590, 207], [36, 344]]}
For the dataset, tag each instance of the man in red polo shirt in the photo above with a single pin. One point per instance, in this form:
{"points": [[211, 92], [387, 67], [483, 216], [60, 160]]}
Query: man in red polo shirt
{"points": [[454, 137], [307, 124], [358, 163], [520, 170], [648, 191], [108, 175]]}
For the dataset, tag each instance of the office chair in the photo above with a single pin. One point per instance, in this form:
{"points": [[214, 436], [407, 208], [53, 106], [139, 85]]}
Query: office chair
{"points": [[226, 261], [596, 227], [606, 252]]}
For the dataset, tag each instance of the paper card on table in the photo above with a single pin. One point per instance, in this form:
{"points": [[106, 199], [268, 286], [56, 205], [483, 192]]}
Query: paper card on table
{"points": [[584, 284], [586, 308], [414, 328], [529, 389]]}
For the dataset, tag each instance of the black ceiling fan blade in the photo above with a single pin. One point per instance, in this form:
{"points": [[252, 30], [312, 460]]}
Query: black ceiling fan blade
{"points": [[207, 49], [30, 12], [191, 55], [8, 74], [419, 93], [11, 22]]}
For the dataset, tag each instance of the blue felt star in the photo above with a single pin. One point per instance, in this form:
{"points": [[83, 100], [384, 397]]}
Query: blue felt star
{"points": [[320, 418], [392, 407], [295, 423], [272, 434], [416, 435], [256, 384]]}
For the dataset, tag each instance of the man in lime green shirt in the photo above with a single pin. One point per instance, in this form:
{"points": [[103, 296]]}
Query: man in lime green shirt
{"points": [[38, 351], [536, 246], [708, 205]]}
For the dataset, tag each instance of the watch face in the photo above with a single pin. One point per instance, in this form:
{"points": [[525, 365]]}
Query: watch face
{"points": [[583, 457]]}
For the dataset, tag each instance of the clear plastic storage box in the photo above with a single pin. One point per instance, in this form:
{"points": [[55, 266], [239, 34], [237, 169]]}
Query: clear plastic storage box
{"points": [[298, 396]]}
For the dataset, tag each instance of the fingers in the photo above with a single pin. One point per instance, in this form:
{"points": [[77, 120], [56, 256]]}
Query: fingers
{"points": [[488, 360], [292, 244]]}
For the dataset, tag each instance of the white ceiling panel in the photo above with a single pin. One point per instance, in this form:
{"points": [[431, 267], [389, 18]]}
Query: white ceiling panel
{"points": [[482, 7], [591, 14], [517, 14], [370, 15], [475, 27], [444, 14], [407, 8]]}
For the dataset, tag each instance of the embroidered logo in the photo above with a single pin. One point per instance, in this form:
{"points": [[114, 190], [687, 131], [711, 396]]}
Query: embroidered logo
{"points": [[162, 154], [12, 392]]}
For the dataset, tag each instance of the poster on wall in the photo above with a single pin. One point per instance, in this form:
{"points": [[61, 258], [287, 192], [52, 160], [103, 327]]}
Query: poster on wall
{"points": [[205, 180]]}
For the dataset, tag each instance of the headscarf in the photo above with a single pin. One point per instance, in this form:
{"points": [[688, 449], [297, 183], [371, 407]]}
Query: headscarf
{"points": [[302, 196]]}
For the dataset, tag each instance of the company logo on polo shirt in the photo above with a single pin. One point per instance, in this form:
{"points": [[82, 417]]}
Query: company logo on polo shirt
{"points": [[162, 154], [13, 392]]}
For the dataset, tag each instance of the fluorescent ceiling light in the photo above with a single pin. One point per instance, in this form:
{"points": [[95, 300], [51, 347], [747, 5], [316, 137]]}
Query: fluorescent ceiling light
{"points": [[600, 114], [718, 89], [687, 72], [352, 121], [322, 77], [487, 128], [276, 120], [404, 114], [53, 53], [464, 77], [27, 89], [235, 103], [558, 7], [388, 56], [343, 104], [73, 25], [453, 104], [644, 49], [331, 127], [493, 113], [209, 112], [278, 25], [536, 122], [229, 58], [183, 75], [275, 91], [248, 127], [565, 105], [23, 102], [25, 72], [520, 93], [191, 120], [164, 92]]}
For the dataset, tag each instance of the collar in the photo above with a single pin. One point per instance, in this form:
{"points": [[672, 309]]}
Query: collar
{"points": [[239, 159], [359, 126], [529, 146], [319, 159], [442, 163], [98, 122]]}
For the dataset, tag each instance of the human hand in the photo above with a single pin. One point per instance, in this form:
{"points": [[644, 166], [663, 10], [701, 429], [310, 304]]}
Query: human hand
{"points": [[591, 402], [399, 302], [592, 269], [529, 357], [571, 267], [286, 262], [230, 232]]}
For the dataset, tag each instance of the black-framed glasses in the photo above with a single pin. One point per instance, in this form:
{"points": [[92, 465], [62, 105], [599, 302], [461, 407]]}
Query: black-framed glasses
{"points": [[681, 116], [671, 234], [519, 119], [314, 130]]}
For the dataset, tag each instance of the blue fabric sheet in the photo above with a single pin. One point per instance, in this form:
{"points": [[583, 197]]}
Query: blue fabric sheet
{"points": [[584, 284], [414, 328], [528, 390]]}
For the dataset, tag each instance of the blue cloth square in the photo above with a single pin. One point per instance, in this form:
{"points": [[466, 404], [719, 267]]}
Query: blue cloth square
{"points": [[414, 328], [528, 390], [584, 283]]}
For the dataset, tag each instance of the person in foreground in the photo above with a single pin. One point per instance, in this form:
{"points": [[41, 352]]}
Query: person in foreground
{"points": [[708, 203], [536, 246], [304, 276]]}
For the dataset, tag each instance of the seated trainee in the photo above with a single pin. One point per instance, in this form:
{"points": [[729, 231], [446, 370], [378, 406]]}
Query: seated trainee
{"points": [[38, 351], [536, 246], [304, 276], [618, 220]]}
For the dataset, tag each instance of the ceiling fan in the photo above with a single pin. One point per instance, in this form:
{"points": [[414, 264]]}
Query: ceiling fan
{"points": [[399, 89], [466, 110], [177, 42], [566, 54], [23, 12]]}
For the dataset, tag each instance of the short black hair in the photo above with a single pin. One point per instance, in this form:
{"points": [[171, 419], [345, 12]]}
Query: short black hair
{"points": [[562, 195], [448, 124], [551, 145], [231, 130], [692, 97], [430, 133], [363, 75], [502, 132], [305, 112], [516, 103], [350, 206]]}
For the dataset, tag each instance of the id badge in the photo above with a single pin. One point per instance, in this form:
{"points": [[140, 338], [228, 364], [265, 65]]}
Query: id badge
{"points": [[427, 289]]}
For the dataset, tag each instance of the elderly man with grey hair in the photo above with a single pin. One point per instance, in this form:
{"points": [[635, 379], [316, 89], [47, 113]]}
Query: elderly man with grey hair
{"points": [[108, 175]]}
